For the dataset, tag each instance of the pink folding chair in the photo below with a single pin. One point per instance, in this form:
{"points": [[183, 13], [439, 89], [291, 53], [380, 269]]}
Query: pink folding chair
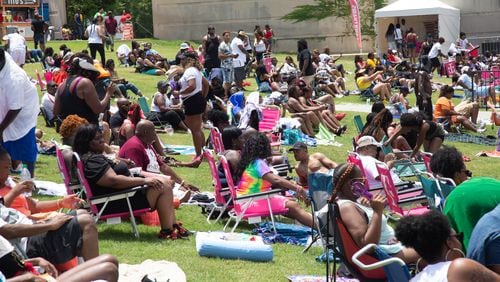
{"points": [[41, 83], [393, 199], [251, 207], [270, 119], [426, 157], [216, 139], [220, 204], [98, 203], [72, 187], [354, 159]]}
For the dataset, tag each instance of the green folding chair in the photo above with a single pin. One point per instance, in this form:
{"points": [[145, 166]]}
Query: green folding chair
{"points": [[143, 103], [358, 122]]}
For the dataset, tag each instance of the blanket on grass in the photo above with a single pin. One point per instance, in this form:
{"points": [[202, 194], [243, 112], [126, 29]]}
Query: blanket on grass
{"points": [[469, 138]]}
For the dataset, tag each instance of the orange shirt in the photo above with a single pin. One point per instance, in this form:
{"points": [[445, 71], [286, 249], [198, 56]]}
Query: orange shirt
{"points": [[443, 105], [20, 203]]}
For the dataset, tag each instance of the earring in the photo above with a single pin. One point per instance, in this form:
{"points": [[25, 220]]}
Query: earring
{"points": [[417, 270], [453, 249]]}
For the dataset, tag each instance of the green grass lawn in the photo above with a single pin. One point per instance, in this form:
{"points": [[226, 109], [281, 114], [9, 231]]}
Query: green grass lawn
{"points": [[118, 239]]}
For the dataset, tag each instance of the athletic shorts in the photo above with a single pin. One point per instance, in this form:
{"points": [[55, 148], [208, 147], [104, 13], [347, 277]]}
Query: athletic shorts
{"points": [[39, 38], [435, 62], [57, 246], [23, 149], [194, 105]]}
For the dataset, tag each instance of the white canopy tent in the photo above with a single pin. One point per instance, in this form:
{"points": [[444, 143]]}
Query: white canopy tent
{"points": [[419, 14]]}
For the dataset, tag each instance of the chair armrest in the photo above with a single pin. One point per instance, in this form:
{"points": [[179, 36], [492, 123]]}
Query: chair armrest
{"points": [[379, 264], [411, 200], [258, 196], [122, 194]]}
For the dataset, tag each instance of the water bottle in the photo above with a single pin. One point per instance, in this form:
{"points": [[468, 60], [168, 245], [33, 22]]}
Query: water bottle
{"points": [[26, 175], [101, 117]]}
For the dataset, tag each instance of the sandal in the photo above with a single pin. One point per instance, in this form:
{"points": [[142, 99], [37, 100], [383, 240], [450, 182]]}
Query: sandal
{"points": [[465, 158], [169, 234], [181, 231]]}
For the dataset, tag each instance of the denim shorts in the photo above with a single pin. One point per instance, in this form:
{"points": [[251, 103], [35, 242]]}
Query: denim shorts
{"points": [[228, 75]]}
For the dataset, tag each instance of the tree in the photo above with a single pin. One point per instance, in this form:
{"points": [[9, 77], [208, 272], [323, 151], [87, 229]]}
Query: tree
{"points": [[140, 9], [323, 9]]}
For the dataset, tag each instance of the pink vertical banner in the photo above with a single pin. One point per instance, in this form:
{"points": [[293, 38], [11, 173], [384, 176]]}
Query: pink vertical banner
{"points": [[355, 21]]}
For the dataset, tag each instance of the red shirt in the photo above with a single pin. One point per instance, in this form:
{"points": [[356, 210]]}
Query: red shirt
{"points": [[125, 17], [111, 25], [142, 155]]}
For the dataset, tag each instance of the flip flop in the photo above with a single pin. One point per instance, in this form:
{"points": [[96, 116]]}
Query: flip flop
{"points": [[466, 159]]}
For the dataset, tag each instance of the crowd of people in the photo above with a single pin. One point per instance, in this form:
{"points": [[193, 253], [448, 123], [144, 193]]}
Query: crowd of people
{"points": [[205, 87]]}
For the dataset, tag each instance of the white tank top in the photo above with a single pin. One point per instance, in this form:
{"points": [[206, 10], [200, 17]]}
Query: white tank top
{"points": [[435, 272]]}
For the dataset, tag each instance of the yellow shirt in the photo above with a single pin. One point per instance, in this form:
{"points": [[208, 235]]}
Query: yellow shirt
{"points": [[361, 84], [371, 63]]}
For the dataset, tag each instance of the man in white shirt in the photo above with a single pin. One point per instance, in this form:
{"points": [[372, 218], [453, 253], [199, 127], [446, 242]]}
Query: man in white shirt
{"points": [[16, 46], [369, 150], [238, 48], [435, 53], [48, 100], [465, 80], [19, 109]]}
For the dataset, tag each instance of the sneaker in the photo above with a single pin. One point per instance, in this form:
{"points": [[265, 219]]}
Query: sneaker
{"points": [[481, 130], [168, 234]]}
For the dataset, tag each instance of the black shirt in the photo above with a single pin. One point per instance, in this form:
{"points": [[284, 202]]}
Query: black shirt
{"points": [[303, 56], [95, 166], [116, 120], [38, 26]]}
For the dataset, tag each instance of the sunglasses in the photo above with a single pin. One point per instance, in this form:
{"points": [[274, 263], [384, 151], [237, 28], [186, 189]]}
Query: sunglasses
{"points": [[459, 236]]}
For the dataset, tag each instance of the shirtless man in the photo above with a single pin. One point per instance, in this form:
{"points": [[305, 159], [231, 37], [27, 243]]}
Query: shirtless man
{"points": [[308, 164]]}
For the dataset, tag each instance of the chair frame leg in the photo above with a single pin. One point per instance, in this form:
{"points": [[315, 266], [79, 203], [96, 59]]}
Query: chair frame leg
{"points": [[132, 219], [240, 216]]}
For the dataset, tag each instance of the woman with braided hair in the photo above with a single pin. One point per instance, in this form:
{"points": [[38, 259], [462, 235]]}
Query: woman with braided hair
{"points": [[362, 213]]}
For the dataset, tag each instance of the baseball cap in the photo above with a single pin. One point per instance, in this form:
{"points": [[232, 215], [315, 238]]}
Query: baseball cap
{"points": [[298, 146], [367, 141], [183, 46], [242, 33]]}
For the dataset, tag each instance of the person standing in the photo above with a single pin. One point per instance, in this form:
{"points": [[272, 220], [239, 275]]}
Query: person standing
{"points": [[100, 13], [16, 46], [305, 62], [226, 56], [210, 49], [95, 35], [435, 53], [18, 113], [239, 61], [78, 18], [269, 36], [125, 17], [111, 29], [39, 27]]}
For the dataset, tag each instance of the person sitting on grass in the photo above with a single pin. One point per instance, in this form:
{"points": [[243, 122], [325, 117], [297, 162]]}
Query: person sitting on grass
{"points": [[121, 82], [163, 110], [256, 176], [444, 112], [105, 177], [139, 150], [439, 246]]}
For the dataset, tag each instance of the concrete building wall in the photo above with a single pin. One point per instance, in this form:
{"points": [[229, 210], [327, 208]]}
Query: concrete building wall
{"points": [[188, 20]]}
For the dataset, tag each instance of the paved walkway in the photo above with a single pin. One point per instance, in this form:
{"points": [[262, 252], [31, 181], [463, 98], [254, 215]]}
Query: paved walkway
{"points": [[366, 108]]}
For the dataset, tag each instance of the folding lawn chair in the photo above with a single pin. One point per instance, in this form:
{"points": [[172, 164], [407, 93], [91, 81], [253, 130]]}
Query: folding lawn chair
{"points": [[98, 204], [48, 122], [394, 200], [41, 83], [320, 188], [431, 189], [363, 266], [270, 118], [426, 157], [446, 185], [395, 268], [251, 207], [358, 122], [222, 195], [216, 139], [403, 167], [72, 185]]}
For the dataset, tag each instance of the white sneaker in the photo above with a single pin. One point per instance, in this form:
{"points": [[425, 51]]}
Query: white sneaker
{"points": [[481, 130]]}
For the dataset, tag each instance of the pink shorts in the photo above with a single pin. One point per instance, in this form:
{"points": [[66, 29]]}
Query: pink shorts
{"points": [[260, 207]]}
